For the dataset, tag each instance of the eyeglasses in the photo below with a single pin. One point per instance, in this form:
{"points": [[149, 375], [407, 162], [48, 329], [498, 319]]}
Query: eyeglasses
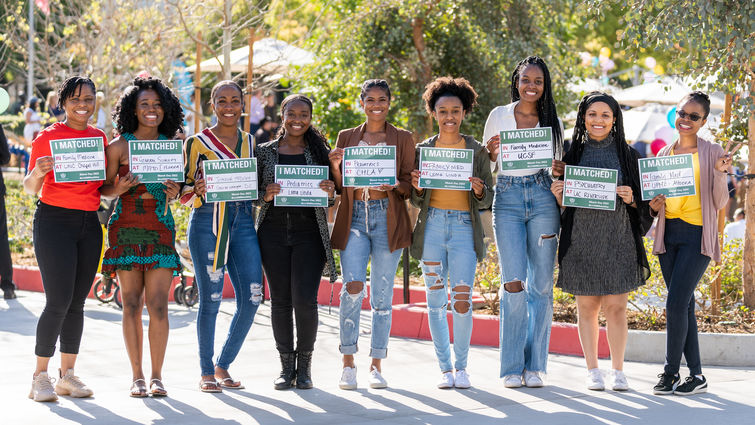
{"points": [[683, 115]]}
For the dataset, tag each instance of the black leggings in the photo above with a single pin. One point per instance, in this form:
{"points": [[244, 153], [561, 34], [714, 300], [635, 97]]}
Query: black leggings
{"points": [[68, 244], [6, 265], [293, 258]]}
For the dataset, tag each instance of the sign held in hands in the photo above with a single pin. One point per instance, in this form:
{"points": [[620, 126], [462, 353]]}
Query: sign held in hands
{"points": [[526, 149], [155, 161], [300, 186], [78, 160], [230, 179], [673, 176], [445, 168], [369, 166], [587, 187]]}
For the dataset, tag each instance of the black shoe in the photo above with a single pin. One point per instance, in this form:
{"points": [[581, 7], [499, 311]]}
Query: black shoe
{"points": [[9, 293], [287, 376], [692, 385], [303, 370], [667, 384]]}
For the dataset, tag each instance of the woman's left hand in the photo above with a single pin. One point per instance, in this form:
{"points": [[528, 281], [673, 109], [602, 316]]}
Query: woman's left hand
{"points": [[477, 186], [329, 187], [625, 192], [171, 189]]}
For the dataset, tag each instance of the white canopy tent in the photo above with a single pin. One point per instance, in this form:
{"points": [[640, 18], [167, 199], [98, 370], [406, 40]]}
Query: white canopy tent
{"points": [[666, 91], [271, 56]]}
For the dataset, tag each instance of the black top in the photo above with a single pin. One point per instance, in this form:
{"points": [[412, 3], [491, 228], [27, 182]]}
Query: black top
{"points": [[4, 158], [278, 212]]}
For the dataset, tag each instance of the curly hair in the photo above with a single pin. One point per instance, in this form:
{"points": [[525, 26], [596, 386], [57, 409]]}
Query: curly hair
{"points": [[124, 113], [68, 88], [372, 84], [546, 106], [317, 143], [448, 86], [700, 98]]}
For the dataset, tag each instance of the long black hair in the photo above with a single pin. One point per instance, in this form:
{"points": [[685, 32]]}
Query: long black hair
{"points": [[546, 106], [68, 88], [579, 137], [124, 113], [317, 143]]}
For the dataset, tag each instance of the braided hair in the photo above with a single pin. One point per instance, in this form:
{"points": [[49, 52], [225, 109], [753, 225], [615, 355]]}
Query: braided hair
{"points": [[124, 113], [68, 88], [546, 106], [316, 142]]}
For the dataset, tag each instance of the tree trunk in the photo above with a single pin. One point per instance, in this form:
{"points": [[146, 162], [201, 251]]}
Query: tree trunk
{"points": [[748, 270]]}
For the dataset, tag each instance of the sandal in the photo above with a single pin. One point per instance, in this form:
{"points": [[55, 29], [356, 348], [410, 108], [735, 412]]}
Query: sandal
{"points": [[139, 389], [209, 387], [231, 384], [156, 388]]}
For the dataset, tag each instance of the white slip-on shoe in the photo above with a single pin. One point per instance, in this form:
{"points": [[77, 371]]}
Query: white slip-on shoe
{"points": [[619, 381], [446, 380], [461, 380], [348, 379], [376, 379], [595, 380]]}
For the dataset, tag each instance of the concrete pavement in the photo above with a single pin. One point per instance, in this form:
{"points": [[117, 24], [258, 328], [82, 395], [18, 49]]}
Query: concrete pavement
{"points": [[411, 371]]}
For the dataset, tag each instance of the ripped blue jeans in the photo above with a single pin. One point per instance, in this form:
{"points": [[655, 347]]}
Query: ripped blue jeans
{"points": [[244, 267], [449, 259], [368, 240]]}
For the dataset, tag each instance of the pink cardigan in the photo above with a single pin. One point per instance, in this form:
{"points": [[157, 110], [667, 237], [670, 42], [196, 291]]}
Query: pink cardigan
{"points": [[713, 196]]}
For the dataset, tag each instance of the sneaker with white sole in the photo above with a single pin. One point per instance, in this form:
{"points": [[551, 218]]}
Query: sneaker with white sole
{"points": [[68, 384], [619, 381], [533, 379], [376, 379], [446, 380], [595, 380], [692, 385], [512, 381], [41, 388], [348, 379], [461, 380]]}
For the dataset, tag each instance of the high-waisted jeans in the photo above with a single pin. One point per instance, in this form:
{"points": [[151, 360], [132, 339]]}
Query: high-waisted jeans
{"points": [[449, 259], [245, 270], [368, 238], [526, 220], [682, 266]]}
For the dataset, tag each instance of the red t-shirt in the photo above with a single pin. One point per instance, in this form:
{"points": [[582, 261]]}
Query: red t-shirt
{"points": [[78, 196]]}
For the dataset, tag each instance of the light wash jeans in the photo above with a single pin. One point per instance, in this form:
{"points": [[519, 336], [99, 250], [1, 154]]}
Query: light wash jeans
{"points": [[245, 270], [368, 237], [449, 241], [526, 220]]}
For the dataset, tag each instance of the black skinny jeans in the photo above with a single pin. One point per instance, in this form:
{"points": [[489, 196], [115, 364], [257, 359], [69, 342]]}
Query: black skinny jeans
{"points": [[68, 244], [292, 258], [682, 266], [6, 264]]}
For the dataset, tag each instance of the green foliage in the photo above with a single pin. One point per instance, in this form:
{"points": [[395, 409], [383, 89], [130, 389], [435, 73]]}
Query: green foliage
{"points": [[13, 124], [488, 279], [19, 208]]}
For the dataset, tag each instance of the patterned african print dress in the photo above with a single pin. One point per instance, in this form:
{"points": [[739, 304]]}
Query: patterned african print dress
{"points": [[141, 232]]}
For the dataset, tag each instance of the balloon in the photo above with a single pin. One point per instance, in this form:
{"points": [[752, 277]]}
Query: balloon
{"points": [[656, 146], [586, 58], [650, 62], [608, 65], [595, 61], [659, 70], [671, 117], [664, 133], [605, 51], [4, 100]]}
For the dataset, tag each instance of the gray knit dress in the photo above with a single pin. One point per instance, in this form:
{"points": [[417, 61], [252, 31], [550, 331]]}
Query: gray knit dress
{"points": [[602, 259]]}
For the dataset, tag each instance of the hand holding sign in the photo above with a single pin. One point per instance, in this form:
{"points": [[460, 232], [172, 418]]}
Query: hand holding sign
{"points": [[557, 189], [44, 165], [329, 187], [477, 186], [415, 181], [200, 188], [493, 144], [625, 193], [271, 191], [557, 168], [335, 157], [123, 184], [171, 189]]}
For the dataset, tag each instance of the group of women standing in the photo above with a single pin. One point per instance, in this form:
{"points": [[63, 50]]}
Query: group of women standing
{"points": [[600, 253]]}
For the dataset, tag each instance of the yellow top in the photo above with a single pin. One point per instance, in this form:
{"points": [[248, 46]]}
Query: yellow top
{"points": [[450, 199], [688, 207]]}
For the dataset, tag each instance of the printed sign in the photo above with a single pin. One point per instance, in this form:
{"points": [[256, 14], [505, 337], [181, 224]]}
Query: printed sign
{"points": [[445, 168], [230, 179], [369, 166], [526, 149], [300, 186], [587, 187], [673, 176], [78, 160], [155, 161]]}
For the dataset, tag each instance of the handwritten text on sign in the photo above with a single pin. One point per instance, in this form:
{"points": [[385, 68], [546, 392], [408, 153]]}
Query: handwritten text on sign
{"points": [[78, 160], [300, 186], [586, 187], [230, 179], [445, 168], [526, 149], [673, 176], [155, 161], [369, 166]]}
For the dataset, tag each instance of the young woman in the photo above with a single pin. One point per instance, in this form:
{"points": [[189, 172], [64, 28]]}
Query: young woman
{"points": [[33, 120], [526, 221], [601, 255], [686, 239], [448, 235], [232, 245], [53, 106], [371, 223], [294, 242], [67, 243], [141, 231]]}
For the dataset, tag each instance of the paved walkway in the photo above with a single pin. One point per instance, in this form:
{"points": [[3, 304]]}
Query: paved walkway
{"points": [[411, 371]]}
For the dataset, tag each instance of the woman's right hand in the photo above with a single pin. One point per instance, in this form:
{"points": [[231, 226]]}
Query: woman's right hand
{"points": [[123, 184], [557, 168], [199, 187], [335, 156], [43, 166], [270, 191], [657, 202], [493, 146], [415, 181], [557, 189]]}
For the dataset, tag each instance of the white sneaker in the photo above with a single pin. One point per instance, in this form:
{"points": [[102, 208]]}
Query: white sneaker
{"points": [[72, 385], [348, 379], [595, 380], [533, 379], [512, 381], [41, 388], [461, 380], [376, 379], [619, 381], [446, 380]]}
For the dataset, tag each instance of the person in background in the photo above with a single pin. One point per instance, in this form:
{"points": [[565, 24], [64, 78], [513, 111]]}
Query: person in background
{"points": [[33, 120], [6, 264], [735, 229], [265, 131], [53, 108], [99, 117], [256, 111]]}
